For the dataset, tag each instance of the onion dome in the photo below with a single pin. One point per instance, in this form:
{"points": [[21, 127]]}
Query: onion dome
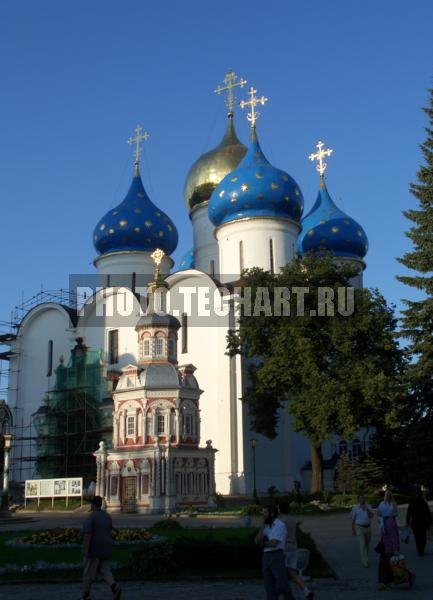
{"points": [[210, 168], [326, 227], [187, 261], [135, 224], [255, 189]]}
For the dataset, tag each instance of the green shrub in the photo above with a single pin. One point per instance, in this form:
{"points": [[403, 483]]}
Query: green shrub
{"points": [[217, 550], [156, 558], [167, 524], [349, 500], [251, 510]]}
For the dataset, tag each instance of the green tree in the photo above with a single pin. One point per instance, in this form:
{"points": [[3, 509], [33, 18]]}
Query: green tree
{"points": [[334, 373], [358, 476], [417, 323]]}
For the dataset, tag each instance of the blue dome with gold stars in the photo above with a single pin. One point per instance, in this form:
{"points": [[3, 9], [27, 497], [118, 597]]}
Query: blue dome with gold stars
{"points": [[326, 227], [135, 224], [255, 189]]}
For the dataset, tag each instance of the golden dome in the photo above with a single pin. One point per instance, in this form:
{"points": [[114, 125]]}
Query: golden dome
{"points": [[208, 170]]}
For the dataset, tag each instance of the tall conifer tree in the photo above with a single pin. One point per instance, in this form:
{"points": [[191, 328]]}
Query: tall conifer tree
{"points": [[418, 316]]}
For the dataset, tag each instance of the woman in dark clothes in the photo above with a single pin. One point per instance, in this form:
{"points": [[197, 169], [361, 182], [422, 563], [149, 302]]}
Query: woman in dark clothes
{"points": [[419, 519]]}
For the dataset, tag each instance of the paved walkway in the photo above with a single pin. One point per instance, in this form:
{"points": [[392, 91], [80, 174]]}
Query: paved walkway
{"points": [[332, 534]]}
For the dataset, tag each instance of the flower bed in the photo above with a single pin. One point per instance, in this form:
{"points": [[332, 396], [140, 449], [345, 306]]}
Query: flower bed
{"points": [[72, 537]]}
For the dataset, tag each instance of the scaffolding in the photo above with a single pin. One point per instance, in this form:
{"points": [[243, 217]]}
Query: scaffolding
{"points": [[74, 417]]}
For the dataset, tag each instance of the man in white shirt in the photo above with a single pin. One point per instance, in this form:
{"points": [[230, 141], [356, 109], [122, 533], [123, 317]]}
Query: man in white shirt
{"points": [[272, 538], [361, 516]]}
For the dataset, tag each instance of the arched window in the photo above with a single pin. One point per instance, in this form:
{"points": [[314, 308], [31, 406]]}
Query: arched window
{"points": [[159, 346], [184, 333], [131, 425], [356, 448], [146, 347], [160, 424], [172, 348], [50, 358], [342, 447], [271, 256]]}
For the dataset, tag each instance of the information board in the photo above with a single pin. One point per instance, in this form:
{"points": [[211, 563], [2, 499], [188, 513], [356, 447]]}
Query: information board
{"points": [[54, 488]]}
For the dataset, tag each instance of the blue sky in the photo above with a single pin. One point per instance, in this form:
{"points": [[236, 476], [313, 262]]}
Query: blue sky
{"points": [[78, 76]]}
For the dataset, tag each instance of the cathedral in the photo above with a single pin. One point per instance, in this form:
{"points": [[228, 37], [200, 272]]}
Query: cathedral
{"points": [[167, 417]]}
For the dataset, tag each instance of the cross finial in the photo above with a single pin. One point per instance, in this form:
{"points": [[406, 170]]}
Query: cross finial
{"points": [[229, 81], [157, 256], [139, 137], [253, 102], [321, 164]]}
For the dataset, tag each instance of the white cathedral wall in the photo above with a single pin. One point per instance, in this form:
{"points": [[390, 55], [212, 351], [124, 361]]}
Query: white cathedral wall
{"points": [[128, 262], [206, 351], [246, 243], [112, 309], [205, 244], [29, 385]]}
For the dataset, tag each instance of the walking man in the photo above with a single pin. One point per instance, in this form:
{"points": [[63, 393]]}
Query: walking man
{"points": [[419, 519], [97, 548], [272, 538], [362, 515], [291, 550]]}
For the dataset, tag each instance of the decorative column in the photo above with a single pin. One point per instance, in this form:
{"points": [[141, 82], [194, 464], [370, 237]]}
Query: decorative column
{"points": [[7, 443], [101, 459], [211, 468], [168, 482], [115, 432], [121, 427], [177, 424]]}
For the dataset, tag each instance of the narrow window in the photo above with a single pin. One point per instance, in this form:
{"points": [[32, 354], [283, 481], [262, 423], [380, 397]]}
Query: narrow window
{"points": [[271, 255], [113, 490], [113, 346], [187, 425], [108, 281], [241, 256], [146, 347], [171, 348], [184, 333], [160, 423], [131, 426], [158, 346], [212, 268], [50, 358], [134, 282], [145, 489]]}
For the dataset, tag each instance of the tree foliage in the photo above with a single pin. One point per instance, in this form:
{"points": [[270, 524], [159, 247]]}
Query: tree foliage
{"points": [[418, 316], [417, 323], [361, 476], [335, 373]]}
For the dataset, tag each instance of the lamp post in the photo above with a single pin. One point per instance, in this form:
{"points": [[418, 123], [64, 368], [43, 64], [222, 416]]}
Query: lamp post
{"points": [[253, 448], [7, 443]]}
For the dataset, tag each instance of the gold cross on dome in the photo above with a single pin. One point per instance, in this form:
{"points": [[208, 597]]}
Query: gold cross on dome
{"points": [[253, 102], [139, 137], [157, 256], [321, 165], [229, 81]]}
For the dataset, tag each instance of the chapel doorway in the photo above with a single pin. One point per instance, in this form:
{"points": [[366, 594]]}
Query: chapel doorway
{"points": [[129, 494]]}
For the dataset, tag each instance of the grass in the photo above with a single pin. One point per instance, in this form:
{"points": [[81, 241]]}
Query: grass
{"points": [[45, 504], [28, 556]]}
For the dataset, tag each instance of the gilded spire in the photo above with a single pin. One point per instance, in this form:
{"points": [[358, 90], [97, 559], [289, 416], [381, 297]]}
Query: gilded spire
{"points": [[139, 137], [321, 164], [157, 256], [253, 102], [230, 83]]}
